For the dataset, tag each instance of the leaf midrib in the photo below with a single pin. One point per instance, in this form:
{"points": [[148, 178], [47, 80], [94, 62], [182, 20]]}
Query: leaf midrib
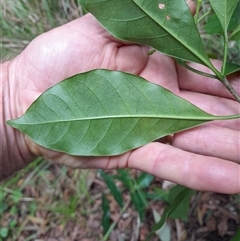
{"points": [[202, 118], [170, 32]]}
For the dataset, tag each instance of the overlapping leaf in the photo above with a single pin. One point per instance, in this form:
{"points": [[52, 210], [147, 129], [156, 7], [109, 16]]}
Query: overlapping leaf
{"points": [[224, 10], [104, 112], [169, 209], [181, 210], [213, 25], [236, 32], [231, 68], [238, 44], [166, 25]]}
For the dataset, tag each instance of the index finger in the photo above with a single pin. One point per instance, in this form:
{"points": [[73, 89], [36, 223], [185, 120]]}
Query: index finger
{"points": [[188, 169]]}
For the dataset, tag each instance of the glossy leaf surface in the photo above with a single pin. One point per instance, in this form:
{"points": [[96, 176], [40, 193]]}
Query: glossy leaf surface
{"points": [[104, 112], [166, 25], [224, 10]]}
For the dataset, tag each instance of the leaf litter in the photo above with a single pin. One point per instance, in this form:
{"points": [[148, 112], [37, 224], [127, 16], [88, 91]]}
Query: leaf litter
{"points": [[212, 216]]}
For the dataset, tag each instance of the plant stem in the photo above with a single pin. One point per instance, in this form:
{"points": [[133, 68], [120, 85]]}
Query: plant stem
{"points": [[225, 54], [106, 236], [231, 89], [198, 72], [199, 3], [218, 76], [203, 16]]}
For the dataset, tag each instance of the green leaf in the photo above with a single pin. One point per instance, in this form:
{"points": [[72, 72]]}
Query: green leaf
{"points": [[138, 197], [3, 207], [106, 214], [104, 112], [158, 194], [167, 26], [235, 35], [224, 10], [14, 210], [231, 68], [2, 194], [167, 211], [16, 196], [213, 25], [164, 233], [13, 223], [139, 203], [4, 232], [237, 12], [181, 209], [125, 178], [144, 180], [238, 44], [112, 187]]}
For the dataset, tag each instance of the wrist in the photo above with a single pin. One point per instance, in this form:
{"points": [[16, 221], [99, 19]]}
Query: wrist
{"points": [[14, 151]]}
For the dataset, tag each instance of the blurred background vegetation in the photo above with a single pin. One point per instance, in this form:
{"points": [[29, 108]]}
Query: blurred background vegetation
{"points": [[22, 20], [50, 202]]}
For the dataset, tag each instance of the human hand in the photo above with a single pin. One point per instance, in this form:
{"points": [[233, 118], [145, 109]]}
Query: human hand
{"points": [[53, 57], [203, 158], [76, 47]]}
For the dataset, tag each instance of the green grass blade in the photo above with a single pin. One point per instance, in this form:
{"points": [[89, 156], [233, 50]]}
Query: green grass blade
{"points": [[112, 187], [106, 213], [139, 202], [144, 180]]}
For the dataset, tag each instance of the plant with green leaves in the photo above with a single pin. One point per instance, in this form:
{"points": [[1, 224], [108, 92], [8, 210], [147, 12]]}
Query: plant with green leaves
{"points": [[177, 199], [138, 196], [125, 111], [145, 116]]}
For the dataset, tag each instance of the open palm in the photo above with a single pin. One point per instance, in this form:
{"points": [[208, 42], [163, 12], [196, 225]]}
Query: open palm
{"points": [[204, 158]]}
